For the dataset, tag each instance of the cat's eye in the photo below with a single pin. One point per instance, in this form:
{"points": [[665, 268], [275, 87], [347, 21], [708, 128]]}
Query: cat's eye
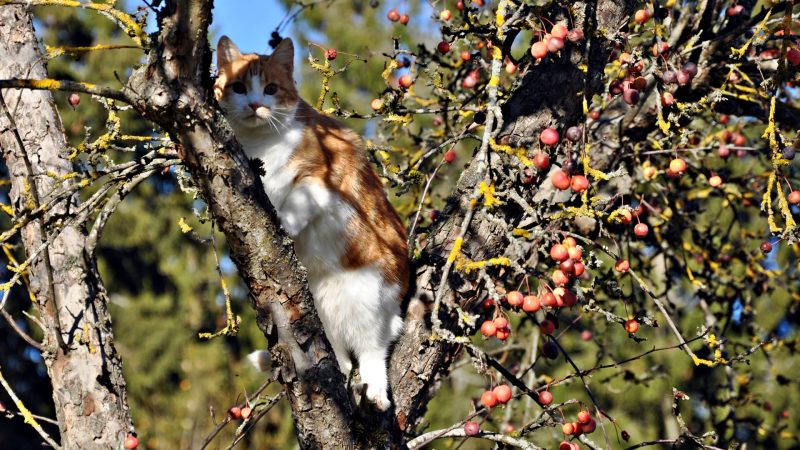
{"points": [[239, 87], [271, 89]]}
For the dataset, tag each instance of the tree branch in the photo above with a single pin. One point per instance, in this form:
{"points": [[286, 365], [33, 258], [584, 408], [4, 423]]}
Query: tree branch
{"points": [[64, 85]]}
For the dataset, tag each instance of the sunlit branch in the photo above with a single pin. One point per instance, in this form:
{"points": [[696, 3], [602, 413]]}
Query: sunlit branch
{"points": [[64, 85]]}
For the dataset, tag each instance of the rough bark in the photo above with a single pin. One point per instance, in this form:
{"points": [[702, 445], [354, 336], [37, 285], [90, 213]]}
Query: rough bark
{"points": [[173, 90], [83, 365]]}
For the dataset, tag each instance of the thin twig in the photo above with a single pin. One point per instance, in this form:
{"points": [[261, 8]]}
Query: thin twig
{"points": [[26, 414], [424, 439], [227, 420], [31, 341]]}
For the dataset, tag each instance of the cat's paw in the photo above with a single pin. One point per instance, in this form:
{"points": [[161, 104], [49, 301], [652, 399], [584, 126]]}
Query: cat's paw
{"points": [[261, 360], [378, 398]]}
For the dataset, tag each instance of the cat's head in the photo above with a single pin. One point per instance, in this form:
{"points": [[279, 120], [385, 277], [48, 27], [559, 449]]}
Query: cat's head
{"points": [[254, 89]]}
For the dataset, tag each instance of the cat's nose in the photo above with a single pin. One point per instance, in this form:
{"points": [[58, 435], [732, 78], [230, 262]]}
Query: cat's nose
{"points": [[254, 106]]}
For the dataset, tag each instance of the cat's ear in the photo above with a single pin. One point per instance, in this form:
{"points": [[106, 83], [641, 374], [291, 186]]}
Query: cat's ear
{"points": [[284, 55], [227, 52]]}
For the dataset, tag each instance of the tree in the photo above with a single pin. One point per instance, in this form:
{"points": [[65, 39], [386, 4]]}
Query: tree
{"points": [[610, 91]]}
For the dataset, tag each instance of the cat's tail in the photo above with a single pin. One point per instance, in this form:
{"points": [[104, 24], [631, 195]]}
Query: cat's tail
{"points": [[261, 360]]}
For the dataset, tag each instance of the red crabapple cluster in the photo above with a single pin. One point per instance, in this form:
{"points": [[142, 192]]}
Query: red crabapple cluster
{"points": [[584, 424], [566, 177], [568, 256], [553, 42]]}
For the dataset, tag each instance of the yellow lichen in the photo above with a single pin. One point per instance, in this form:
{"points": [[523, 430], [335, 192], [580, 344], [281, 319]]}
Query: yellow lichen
{"points": [[455, 250], [487, 190], [185, 227]]}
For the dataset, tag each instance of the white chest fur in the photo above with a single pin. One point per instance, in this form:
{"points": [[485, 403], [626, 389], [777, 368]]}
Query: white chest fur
{"points": [[274, 150], [312, 214]]}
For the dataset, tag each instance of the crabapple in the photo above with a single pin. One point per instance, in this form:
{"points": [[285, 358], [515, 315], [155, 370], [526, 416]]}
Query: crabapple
{"points": [[575, 35], [559, 30], [793, 56], [631, 96], [579, 269], [554, 44], [683, 77], [539, 50], [515, 298], [501, 323], [488, 328], [246, 412], [574, 133], [579, 183], [589, 427], [560, 180], [471, 428], [131, 442], [545, 398], [541, 161], [550, 350], [559, 252], [567, 266], [642, 16], [678, 165], [235, 413], [549, 136], [406, 81], [631, 326], [531, 304], [74, 99], [489, 399], [502, 392]]}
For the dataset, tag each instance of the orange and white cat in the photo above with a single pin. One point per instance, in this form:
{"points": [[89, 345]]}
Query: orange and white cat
{"points": [[330, 201]]}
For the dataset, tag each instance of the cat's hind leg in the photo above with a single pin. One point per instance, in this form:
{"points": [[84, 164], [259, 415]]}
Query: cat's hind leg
{"points": [[360, 312]]}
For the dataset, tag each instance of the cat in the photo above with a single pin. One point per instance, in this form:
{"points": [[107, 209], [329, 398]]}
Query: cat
{"points": [[330, 201]]}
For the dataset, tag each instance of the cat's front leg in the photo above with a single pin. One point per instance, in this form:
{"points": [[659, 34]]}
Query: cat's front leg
{"points": [[303, 203]]}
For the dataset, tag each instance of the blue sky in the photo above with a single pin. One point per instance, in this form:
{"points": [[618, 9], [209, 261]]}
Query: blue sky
{"points": [[248, 22]]}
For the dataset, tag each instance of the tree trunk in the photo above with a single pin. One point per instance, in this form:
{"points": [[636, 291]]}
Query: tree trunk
{"points": [[83, 365], [173, 89]]}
